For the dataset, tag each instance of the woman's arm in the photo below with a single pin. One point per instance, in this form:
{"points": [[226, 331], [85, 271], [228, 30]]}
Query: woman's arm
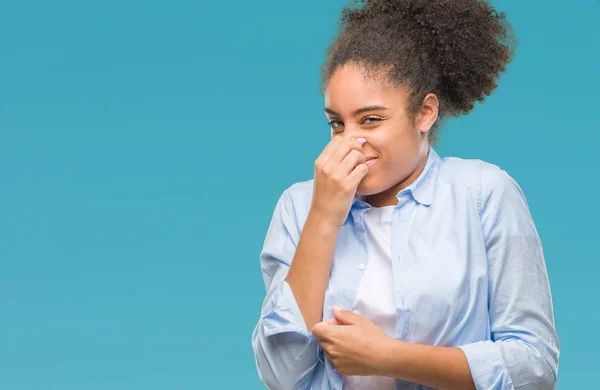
{"points": [[524, 348], [286, 353], [309, 272], [338, 170], [443, 368], [359, 347]]}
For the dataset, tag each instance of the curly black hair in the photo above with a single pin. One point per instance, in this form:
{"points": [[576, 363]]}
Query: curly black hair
{"points": [[453, 48]]}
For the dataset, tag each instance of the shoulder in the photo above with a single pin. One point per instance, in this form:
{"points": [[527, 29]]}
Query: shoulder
{"points": [[297, 198], [299, 192], [497, 182], [485, 179], [459, 170], [300, 189], [465, 169]]}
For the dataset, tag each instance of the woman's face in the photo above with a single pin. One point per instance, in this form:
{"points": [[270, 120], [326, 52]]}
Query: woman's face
{"points": [[363, 108]]}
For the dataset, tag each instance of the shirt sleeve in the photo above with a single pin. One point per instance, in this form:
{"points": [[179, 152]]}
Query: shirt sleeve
{"points": [[524, 348], [285, 351]]}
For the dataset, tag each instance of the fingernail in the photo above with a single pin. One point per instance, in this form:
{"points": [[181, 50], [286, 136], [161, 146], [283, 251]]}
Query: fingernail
{"points": [[336, 308], [361, 140]]}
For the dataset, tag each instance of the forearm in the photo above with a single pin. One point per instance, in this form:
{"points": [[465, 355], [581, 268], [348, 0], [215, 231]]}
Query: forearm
{"points": [[443, 368], [309, 272]]}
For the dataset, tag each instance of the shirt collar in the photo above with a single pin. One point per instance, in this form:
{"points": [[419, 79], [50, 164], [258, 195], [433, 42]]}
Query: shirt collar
{"points": [[423, 188]]}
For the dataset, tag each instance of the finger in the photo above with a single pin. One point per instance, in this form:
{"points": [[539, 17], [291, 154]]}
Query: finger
{"points": [[328, 332], [328, 356], [347, 317], [320, 331], [358, 174], [327, 150], [317, 330], [351, 160], [332, 321], [324, 343], [343, 148]]}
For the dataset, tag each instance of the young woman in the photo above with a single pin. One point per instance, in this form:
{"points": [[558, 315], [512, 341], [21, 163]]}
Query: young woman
{"points": [[394, 268]]}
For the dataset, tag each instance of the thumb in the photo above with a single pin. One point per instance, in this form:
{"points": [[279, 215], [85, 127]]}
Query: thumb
{"points": [[332, 321], [345, 317]]}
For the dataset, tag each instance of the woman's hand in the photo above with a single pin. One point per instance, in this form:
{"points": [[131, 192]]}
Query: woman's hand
{"points": [[338, 171], [352, 343]]}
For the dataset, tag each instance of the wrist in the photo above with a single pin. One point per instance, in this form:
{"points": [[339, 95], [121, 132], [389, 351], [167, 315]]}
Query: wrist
{"points": [[390, 358], [322, 222]]}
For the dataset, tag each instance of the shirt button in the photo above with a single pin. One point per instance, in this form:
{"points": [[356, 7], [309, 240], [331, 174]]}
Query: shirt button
{"points": [[361, 266]]}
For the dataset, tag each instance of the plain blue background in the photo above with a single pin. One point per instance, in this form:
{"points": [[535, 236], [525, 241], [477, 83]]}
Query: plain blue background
{"points": [[143, 146]]}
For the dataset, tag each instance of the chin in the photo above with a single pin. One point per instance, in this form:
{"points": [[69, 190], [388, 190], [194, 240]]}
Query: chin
{"points": [[366, 187], [369, 185]]}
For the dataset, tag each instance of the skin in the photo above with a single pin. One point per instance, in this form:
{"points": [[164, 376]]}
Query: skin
{"points": [[352, 343], [398, 141]]}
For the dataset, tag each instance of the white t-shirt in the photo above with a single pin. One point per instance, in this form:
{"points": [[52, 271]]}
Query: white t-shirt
{"points": [[375, 294]]}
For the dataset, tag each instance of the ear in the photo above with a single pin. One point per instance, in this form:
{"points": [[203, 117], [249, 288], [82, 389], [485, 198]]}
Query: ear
{"points": [[429, 112]]}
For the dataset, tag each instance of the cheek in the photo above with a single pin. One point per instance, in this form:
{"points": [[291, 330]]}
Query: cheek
{"points": [[391, 149], [397, 156], [402, 145], [394, 144]]}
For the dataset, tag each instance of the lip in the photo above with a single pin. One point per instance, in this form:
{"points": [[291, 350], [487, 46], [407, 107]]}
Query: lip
{"points": [[370, 161]]}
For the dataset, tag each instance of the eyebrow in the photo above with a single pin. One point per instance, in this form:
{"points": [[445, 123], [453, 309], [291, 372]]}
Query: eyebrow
{"points": [[357, 111]]}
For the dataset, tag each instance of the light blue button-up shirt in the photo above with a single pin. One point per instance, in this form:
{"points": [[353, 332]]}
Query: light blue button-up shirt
{"points": [[468, 269]]}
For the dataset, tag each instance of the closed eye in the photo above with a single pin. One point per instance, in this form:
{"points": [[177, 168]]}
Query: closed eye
{"points": [[372, 120], [336, 125]]}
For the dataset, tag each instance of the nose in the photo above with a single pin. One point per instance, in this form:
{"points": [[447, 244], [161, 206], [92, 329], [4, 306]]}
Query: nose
{"points": [[354, 132]]}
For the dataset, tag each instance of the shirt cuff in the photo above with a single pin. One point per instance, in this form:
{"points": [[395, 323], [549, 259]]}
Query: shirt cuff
{"points": [[282, 313], [487, 366]]}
